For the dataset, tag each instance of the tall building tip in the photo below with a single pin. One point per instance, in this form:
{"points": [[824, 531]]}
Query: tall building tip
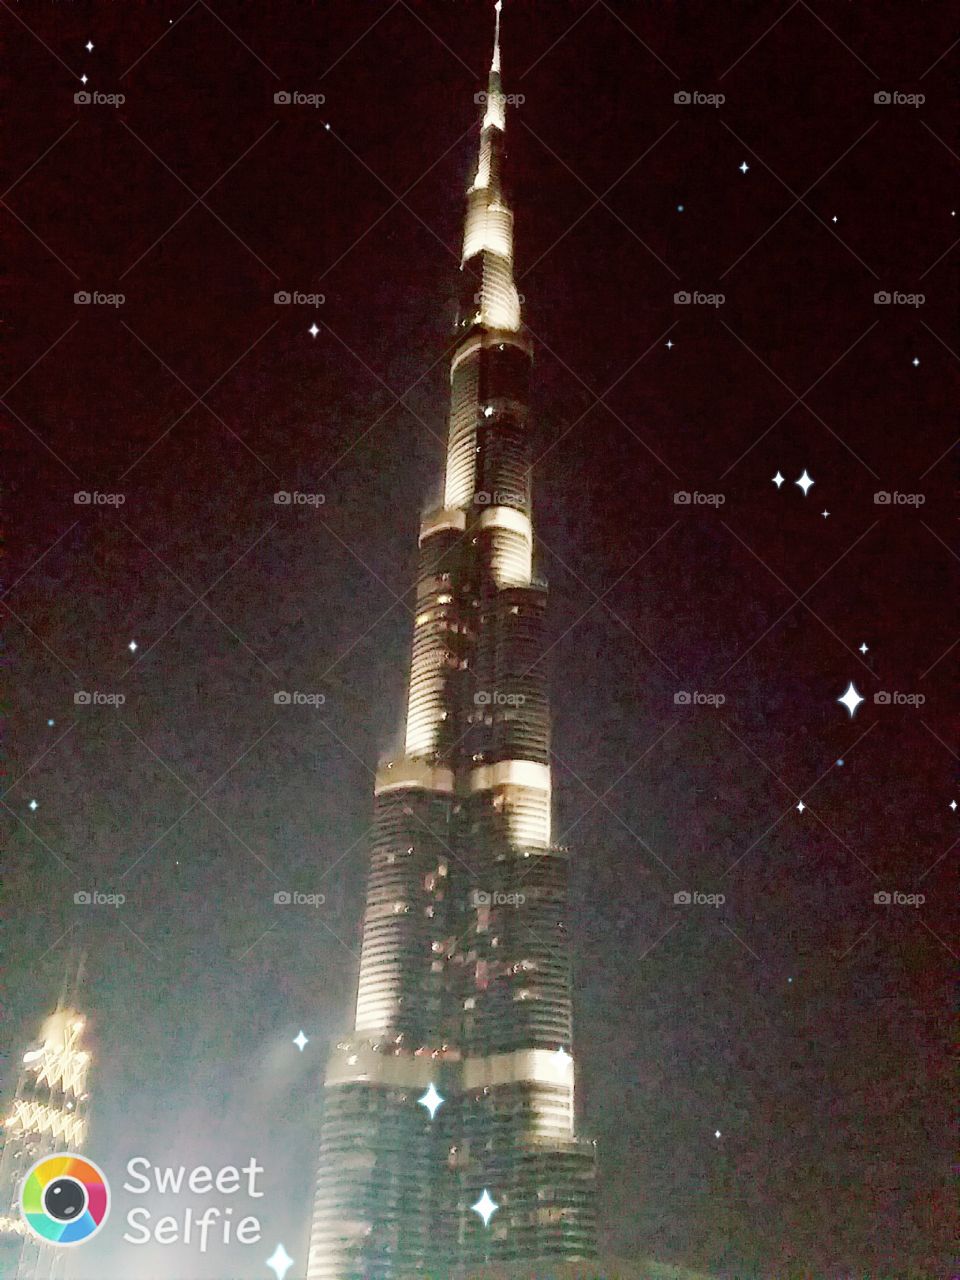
{"points": [[495, 63]]}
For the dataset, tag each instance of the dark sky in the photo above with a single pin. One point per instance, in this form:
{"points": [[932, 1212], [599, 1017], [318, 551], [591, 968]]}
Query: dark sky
{"points": [[804, 1021]]}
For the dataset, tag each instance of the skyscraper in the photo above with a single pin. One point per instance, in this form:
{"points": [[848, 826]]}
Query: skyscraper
{"points": [[47, 1114], [448, 1135]]}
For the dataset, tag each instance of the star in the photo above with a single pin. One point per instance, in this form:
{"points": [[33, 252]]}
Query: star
{"points": [[915, 362], [679, 208], [33, 806], [716, 1133], [431, 1100], [51, 723], [313, 330], [743, 167], [789, 979], [800, 806], [840, 763], [89, 46], [280, 1262], [486, 1207], [326, 126], [805, 482], [83, 79], [301, 1041], [824, 514], [851, 699], [834, 218], [863, 647], [953, 805], [133, 646], [669, 344], [778, 480]]}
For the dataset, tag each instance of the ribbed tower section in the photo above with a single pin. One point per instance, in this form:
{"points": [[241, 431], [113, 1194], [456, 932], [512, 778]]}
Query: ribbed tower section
{"points": [[465, 972]]}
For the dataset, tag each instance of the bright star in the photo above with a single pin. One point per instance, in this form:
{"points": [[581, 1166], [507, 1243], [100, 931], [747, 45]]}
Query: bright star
{"points": [[33, 805], [89, 46], [953, 805], [851, 699], [805, 482], [280, 1262], [744, 167], [824, 514], [863, 647], [778, 479], [133, 646], [839, 762], [800, 806], [834, 218], [486, 1207], [326, 126], [669, 344], [83, 79], [679, 208], [313, 330], [431, 1100], [51, 723], [716, 1133], [915, 362], [301, 1041]]}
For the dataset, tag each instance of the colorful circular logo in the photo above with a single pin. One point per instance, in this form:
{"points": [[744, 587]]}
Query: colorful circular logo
{"points": [[65, 1199]]}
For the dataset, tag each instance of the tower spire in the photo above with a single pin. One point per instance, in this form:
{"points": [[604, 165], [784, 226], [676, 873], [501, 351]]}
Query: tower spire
{"points": [[495, 63]]}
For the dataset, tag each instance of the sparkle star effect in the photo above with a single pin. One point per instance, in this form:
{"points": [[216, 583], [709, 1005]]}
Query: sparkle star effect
{"points": [[431, 1100], [953, 805], [89, 46], [805, 482], [851, 699], [915, 362], [280, 1262], [800, 806], [778, 480], [83, 79], [824, 514], [716, 1133], [669, 344], [743, 167], [313, 331], [863, 647], [133, 646], [486, 1207], [300, 1040], [33, 806]]}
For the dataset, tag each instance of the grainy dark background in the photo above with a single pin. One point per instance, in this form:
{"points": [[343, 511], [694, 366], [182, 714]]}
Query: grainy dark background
{"points": [[805, 1023]]}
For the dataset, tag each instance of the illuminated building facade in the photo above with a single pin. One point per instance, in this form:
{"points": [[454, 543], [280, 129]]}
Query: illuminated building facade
{"points": [[464, 978], [47, 1114]]}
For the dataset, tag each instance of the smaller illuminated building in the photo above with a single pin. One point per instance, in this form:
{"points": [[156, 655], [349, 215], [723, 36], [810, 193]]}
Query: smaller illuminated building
{"points": [[47, 1114]]}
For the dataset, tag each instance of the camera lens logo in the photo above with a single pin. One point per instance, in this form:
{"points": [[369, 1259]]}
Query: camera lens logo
{"points": [[65, 1199]]}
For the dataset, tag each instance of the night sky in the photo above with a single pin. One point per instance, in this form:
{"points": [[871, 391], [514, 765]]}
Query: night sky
{"points": [[801, 1020]]}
